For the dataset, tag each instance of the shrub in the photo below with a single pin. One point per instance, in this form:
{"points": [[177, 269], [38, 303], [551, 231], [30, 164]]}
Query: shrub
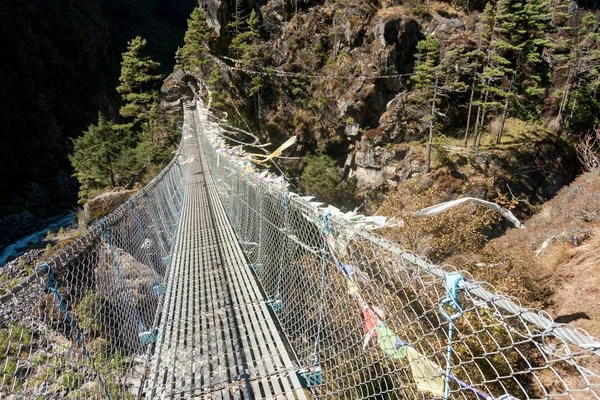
{"points": [[71, 380], [89, 311], [321, 178], [458, 230]]}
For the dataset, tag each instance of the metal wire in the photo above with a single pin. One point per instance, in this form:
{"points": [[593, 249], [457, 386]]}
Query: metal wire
{"points": [[375, 293], [78, 327]]}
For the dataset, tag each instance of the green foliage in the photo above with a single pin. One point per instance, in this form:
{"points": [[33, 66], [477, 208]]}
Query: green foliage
{"points": [[586, 108], [243, 46], [580, 103], [95, 155], [427, 57], [71, 380], [118, 155], [14, 340], [499, 25], [248, 49], [322, 179], [215, 83], [137, 81], [196, 41], [89, 312]]}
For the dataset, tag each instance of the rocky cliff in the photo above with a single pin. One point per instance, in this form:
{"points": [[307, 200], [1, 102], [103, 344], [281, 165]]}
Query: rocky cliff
{"points": [[337, 74]]}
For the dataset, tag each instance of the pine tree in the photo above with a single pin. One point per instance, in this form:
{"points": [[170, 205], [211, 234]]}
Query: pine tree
{"points": [[196, 41], [580, 105], [137, 82], [476, 59], [248, 49], [497, 77], [426, 78], [532, 29], [95, 155], [582, 78], [473, 65]]}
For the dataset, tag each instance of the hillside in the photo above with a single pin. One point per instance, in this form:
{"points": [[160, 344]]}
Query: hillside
{"points": [[353, 79], [556, 256]]}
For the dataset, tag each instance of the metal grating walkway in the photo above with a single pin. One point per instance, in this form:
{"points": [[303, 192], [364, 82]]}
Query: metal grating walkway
{"points": [[216, 339]]}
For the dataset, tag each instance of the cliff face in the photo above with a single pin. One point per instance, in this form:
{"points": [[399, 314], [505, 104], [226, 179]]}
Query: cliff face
{"points": [[337, 74]]}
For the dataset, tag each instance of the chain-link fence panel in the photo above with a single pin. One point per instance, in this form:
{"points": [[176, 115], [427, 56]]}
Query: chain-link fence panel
{"points": [[366, 319], [83, 324]]}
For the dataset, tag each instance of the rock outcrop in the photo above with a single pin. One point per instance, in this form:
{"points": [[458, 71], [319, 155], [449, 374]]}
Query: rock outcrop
{"points": [[105, 203]]}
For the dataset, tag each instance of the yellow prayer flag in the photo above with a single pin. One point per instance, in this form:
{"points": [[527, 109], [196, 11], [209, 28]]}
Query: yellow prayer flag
{"points": [[428, 376], [352, 288]]}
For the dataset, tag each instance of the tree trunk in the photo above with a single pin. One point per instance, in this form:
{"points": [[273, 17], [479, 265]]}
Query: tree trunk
{"points": [[431, 116], [476, 129], [479, 132], [469, 113], [499, 137], [505, 111], [110, 169], [563, 104]]}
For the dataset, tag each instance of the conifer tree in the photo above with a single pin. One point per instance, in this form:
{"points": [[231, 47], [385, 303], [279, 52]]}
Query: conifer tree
{"points": [[497, 77], [426, 78], [196, 41], [137, 82], [95, 156], [248, 49], [583, 79], [475, 59], [531, 31]]}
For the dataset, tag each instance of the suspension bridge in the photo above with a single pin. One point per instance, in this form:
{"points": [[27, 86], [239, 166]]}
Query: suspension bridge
{"points": [[217, 282]]}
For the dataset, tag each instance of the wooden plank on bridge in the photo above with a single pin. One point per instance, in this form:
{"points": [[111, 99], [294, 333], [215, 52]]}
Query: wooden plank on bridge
{"points": [[217, 339]]}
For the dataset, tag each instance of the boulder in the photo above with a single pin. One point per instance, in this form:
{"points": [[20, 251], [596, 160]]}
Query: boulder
{"points": [[179, 85], [445, 25], [104, 204]]}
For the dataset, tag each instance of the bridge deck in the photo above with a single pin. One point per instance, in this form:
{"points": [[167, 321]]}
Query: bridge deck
{"points": [[216, 339]]}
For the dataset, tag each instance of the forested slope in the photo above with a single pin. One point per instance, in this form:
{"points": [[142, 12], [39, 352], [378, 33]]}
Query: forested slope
{"points": [[353, 79]]}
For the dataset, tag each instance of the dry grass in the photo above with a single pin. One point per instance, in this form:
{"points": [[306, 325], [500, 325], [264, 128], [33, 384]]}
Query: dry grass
{"points": [[561, 277], [577, 295], [459, 230]]}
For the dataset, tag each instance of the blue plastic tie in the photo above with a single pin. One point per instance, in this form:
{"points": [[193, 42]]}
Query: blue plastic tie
{"points": [[453, 282], [53, 286], [145, 336]]}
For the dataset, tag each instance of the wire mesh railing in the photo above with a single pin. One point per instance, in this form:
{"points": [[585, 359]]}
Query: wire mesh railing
{"points": [[83, 324], [366, 319], [363, 318]]}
